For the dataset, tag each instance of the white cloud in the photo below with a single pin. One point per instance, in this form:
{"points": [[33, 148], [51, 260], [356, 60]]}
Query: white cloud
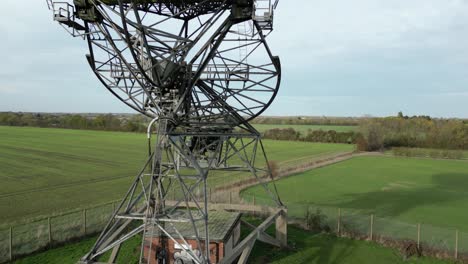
{"points": [[311, 31]]}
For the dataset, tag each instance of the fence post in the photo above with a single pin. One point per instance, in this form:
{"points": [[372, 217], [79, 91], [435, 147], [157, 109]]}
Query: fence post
{"points": [[84, 221], [11, 243], [230, 197], [338, 229], [253, 202], [419, 235], [456, 244], [49, 225], [371, 236], [211, 200]]}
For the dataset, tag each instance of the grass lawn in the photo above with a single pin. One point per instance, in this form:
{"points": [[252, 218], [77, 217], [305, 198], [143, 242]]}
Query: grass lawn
{"points": [[307, 248], [45, 171], [71, 253], [303, 129], [412, 190]]}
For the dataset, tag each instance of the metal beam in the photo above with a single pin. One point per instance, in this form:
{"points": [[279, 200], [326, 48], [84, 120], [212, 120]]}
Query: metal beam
{"points": [[114, 254], [239, 249]]}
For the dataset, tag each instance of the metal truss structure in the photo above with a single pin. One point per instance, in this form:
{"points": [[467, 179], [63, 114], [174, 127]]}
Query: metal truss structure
{"points": [[201, 69]]}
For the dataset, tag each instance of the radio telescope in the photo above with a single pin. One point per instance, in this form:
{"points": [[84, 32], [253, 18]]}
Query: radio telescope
{"points": [[201, 69]]}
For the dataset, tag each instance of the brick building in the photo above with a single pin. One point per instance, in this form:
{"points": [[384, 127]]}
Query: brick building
{"points": [[224, 230]]}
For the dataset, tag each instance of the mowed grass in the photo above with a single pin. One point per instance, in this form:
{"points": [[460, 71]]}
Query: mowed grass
{"points": [[308, 248], [411, 190], [303, 129], [71, 253], [44, 171], [48, 171]]}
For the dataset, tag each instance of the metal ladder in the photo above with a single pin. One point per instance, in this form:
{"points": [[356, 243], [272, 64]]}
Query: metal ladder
{"points": [[243, 50]]}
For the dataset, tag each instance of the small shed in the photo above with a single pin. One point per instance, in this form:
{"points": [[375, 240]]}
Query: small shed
{"points": [[224, 231]]}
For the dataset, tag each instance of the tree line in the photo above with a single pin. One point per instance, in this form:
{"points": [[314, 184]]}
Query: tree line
{"points": [[323, 136], [374, 134], [377, 134], [106, 122], [413, 132], [138, 123], [307, 120]]}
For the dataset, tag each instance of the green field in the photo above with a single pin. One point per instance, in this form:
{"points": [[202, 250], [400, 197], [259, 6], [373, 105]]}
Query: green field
{"points": [[308, 248], [303, 129], [410, 190], [45, 171], [72, 252]]}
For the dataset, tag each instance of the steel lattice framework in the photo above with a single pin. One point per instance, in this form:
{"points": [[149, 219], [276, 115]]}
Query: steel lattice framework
{"points": [[201, 69]]}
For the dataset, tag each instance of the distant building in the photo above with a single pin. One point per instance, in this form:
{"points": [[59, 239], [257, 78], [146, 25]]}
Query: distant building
{"points": [[224, 229]]}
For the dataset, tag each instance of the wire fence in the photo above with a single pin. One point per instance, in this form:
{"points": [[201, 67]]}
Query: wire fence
{"points": [[439, 242], [25, 239]]}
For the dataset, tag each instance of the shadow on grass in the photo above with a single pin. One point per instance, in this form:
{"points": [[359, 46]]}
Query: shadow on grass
{"points": [[304, 247], [310, 248], [451, 181], [398, 200]]}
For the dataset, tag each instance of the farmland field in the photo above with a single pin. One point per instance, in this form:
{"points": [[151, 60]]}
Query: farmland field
{"points": [[303, 129], [45, 171], [411, 190]]}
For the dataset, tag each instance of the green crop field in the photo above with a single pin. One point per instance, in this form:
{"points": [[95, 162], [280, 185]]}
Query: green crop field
{"points": [[303, 129], [308, 248], [45, 171], [410, 190]]}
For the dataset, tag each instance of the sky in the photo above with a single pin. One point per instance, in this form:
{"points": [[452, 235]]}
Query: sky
{"points": [[339, 58]]}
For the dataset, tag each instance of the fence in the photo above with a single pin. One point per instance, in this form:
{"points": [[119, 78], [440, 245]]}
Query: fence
{"points": [[444, 243], [28, 238], [20, 240], [24, 239], [438, 242]]}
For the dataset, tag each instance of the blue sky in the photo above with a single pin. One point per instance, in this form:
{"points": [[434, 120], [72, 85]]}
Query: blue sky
{"points": [[340, 58]]}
